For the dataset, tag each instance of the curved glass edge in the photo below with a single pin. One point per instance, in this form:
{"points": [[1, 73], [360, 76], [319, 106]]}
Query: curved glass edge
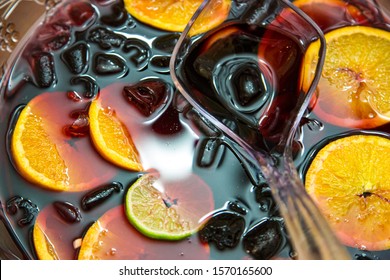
{"points": [[180, 51], [13, 37]]}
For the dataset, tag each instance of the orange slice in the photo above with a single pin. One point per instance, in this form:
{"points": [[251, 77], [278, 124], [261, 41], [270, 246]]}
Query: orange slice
{"points": [[329, 14], [35, 155], [53, 238], [354, 90], [349, 179], [43, 247], [173, 15], [46, 156], [111, 138], [112, 237]]}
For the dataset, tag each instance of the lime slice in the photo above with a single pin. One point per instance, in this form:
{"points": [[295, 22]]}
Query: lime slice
{"points": [[170, 214]]}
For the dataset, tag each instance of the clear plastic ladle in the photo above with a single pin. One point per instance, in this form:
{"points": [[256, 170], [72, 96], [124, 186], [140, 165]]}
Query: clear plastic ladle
{"points": [[309, 232]]}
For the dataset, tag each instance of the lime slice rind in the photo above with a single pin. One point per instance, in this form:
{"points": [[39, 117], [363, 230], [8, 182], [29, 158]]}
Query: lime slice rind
{"points": [[149, 212]]}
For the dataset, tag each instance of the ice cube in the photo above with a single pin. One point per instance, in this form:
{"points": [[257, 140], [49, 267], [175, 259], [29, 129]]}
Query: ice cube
{"points": [[109, 64], [76, 58], [42, 64], [106, 38], [118, 16], [91, 86], [224, 229], [166, 43], [264, 240], [139, 52], [53, 36]]}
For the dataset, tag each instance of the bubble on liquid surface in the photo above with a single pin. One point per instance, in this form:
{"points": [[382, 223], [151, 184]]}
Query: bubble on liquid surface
{"points": [[224, 229], [209, 152], [263, 196]]}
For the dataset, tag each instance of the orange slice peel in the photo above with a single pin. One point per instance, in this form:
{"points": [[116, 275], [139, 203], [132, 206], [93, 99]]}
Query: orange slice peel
{"points": [[35, 155], [111, 138], [173, 15], [354, 90], [349, 181]]}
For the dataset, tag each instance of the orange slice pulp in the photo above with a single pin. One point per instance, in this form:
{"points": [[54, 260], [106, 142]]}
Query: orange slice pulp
{"points": [[111, 138], [354, 90], [349, 179], [173, 15], [46, 156]]}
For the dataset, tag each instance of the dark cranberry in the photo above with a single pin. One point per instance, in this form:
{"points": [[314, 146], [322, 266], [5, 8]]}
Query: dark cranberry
{"points": [[74, 96], [147, 96], [237, 207], [79, 128], [168, 123], [160, 63], [53, 36], [68, 211], [81, 12], [166, 43]]}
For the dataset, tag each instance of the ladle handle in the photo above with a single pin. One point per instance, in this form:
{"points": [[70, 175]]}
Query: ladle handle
{"points": [[309, 232], [311, 236]]}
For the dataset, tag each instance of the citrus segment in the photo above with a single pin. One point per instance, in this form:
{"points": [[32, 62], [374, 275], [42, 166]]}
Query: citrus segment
{"points": [[43, 247], [172, 213], [46, 156], [173, 15], [349, 179], [329, 14], [35, 155], [111, 138], [354, 89], [113, 237], [53, 237]]}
